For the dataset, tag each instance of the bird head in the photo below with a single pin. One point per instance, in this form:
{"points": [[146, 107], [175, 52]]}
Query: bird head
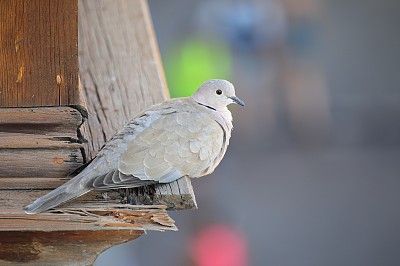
{"points": [[217, 94]]}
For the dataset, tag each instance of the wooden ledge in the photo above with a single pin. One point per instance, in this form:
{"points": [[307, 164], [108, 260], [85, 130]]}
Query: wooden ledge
{"points": [[90, 217]]}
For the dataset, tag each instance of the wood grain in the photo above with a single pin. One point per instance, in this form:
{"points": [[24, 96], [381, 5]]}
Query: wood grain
{"points": [[121, 74], [46, 249], [119, 65], [39, 53], [28, 183], [40, 142], [178, 195]]}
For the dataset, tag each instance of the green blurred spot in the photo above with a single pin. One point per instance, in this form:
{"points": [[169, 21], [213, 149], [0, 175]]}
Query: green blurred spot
{"points": [[196, 61]]}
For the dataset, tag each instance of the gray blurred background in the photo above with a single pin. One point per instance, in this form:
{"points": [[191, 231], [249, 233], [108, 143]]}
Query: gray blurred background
{"points": [[312, 173]]}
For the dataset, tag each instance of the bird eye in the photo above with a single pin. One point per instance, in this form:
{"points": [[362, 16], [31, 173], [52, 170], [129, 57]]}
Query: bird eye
{"points": [[219, 92]]}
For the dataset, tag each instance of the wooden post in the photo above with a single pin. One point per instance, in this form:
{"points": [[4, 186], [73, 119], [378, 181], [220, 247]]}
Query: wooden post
{"points": [[39, 53], [50, 125], [121, 74]]}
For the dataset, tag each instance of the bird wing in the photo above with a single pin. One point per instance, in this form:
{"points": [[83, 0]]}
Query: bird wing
{"points": [[173, 146], [115, 179]]}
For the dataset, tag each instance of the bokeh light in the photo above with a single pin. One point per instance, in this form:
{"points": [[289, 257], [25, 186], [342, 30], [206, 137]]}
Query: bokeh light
{"points": [[189, 64]]}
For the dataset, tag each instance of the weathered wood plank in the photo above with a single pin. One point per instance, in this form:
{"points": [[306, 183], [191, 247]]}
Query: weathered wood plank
{"points": [[18, 183], [39, 53], [94, 211], [33, 141], [176, 196], [44, 120], [27, 162], [121, 74], [39, 142], [120, 70], [176, 200]]}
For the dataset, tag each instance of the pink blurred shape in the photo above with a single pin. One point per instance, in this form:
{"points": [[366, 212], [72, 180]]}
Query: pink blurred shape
{"points": [[219, 245]]}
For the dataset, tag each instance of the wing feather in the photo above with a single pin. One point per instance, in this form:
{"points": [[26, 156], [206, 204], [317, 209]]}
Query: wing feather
{"points": [[173, 146], [104, 182]]}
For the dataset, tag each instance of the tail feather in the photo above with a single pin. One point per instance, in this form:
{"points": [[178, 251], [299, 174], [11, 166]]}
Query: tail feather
{"points": [[54, 198]]}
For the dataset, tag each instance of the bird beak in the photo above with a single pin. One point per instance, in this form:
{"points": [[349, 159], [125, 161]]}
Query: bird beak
{"points": [[236, 100]]}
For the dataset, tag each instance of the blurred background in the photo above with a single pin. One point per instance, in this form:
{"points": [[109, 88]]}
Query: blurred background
{"points": [[312, 175]]}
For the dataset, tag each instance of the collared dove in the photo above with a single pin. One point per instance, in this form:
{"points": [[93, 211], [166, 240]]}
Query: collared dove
{"points": [[179, 137]]}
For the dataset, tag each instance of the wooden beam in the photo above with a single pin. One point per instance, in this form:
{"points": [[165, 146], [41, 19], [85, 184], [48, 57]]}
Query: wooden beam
{"points": [[121, 74], [39, 141], [39, 53]]}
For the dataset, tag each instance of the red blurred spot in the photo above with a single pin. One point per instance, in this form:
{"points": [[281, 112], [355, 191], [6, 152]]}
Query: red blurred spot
{"points": [[219, 245]]}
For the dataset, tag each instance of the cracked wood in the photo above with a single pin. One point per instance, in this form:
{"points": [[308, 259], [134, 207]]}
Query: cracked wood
{"points": [[121, 74]]}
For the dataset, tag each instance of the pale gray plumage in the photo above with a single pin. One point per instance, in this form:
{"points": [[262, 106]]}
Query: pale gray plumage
{"points": [[179, 137]]}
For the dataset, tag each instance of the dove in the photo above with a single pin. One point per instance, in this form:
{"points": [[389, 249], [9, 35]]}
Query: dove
{"points": [[179, 137]]}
